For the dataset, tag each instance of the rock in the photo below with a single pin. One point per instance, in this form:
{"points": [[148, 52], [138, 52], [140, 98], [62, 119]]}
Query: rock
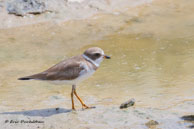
{"points": [[189, 118], [151, 124], [127, 104], [23, 7]]}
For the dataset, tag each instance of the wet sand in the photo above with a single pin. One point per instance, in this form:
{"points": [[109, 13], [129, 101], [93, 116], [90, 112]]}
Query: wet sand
{"points": [[152, 61], [59, 11]]}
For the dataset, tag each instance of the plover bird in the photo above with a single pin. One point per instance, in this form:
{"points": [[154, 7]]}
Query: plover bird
{"points": [[73, 70]]}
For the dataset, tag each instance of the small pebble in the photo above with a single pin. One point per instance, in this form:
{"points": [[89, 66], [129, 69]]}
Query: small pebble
{"points": [[151, 123], [188, 118], [127, 104]]}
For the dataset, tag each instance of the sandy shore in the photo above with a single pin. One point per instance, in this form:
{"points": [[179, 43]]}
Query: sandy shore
{"points": [[104, 117]]}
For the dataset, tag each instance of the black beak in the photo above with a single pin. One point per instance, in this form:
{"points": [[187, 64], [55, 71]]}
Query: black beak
{"points": [[106, 57]]}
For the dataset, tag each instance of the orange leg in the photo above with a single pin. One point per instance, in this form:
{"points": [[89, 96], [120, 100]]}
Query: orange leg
{"points": [[74, 91], [80, 100], [73, 108]]}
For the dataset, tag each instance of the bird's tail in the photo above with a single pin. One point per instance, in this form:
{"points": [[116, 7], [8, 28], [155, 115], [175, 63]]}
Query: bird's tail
{"points": [[24, 78], [39, 76]]}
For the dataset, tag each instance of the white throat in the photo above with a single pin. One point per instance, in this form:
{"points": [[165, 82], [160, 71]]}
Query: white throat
{"points": [[93, 62]]}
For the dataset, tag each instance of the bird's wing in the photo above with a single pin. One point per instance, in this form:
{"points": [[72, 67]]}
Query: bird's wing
{"points": [[65, 70]]}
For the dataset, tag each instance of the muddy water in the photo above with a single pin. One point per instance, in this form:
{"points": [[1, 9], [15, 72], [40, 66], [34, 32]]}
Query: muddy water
{"points": [[152, 50]]}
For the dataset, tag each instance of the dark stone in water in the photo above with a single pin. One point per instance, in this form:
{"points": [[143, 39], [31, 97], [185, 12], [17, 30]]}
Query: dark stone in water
{"points": [[127, 104], [189, 118], [151, 124], [23, 7]]}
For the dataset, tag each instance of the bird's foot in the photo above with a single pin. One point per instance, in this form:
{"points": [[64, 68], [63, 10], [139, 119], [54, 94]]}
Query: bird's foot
{"points": [[73, 109], [86, 107]]}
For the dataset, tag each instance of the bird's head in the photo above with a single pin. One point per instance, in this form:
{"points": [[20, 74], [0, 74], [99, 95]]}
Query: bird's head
{"points": [[95, 55]]}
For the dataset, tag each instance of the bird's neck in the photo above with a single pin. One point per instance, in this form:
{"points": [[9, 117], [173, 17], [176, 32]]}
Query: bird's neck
{"points": [[90, 60]]}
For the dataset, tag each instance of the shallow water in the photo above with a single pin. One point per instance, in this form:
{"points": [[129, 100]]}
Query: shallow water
{"points": [[152, 50]]}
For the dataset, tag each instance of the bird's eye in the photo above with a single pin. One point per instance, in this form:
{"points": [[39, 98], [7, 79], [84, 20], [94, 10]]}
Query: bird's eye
{"points": [[97, 54]]}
